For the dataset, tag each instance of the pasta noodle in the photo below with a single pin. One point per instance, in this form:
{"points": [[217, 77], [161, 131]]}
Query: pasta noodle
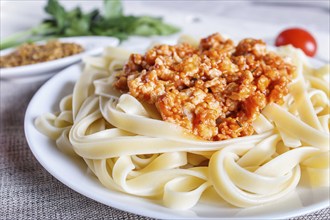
{"points": [[129, 148]]}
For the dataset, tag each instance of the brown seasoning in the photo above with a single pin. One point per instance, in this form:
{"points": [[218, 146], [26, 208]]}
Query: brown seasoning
{"points": [[33, 53]]}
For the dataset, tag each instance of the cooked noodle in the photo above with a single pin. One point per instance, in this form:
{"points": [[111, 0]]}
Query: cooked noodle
{"points": [[130, 149]]}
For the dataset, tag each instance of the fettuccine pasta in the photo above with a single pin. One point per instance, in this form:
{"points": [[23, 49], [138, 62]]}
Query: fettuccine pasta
{"points": [[129, 148]]}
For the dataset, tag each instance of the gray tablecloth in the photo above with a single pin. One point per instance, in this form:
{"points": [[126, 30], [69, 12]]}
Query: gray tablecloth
{"points": [[27, 190]]}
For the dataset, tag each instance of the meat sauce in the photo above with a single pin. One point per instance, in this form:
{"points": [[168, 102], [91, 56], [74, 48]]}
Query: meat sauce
{"points": [[215, 91]]}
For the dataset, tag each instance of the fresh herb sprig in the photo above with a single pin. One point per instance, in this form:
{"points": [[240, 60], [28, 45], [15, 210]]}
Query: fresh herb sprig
{"points": [[112, 22]]}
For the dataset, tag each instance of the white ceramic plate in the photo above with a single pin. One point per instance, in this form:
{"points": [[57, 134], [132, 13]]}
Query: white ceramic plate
{"points": [[92, 45], [74, 172]]}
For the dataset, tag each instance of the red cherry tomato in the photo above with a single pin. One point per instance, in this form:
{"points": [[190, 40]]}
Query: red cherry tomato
{"points": [[299, 38]]}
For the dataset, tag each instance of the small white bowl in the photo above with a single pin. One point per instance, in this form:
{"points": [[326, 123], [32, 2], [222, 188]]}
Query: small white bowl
{"points": [[92, 45]]}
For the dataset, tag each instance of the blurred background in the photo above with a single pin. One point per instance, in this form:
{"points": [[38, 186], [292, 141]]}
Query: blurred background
{"points": [[238, 19], [311, 14]]}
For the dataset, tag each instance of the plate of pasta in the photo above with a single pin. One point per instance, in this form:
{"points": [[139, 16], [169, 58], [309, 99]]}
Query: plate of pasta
{"points": [[200, 129]]}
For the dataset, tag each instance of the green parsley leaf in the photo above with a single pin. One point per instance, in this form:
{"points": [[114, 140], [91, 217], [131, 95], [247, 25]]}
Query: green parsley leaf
{"points": [[57, 11], [75, 22]]}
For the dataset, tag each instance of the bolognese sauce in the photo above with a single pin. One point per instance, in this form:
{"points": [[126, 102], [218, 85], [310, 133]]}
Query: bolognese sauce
{"points": [[215, 91]]}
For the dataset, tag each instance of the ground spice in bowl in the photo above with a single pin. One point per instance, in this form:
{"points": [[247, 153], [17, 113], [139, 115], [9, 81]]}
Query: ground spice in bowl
{"points": [[33, 53]]}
